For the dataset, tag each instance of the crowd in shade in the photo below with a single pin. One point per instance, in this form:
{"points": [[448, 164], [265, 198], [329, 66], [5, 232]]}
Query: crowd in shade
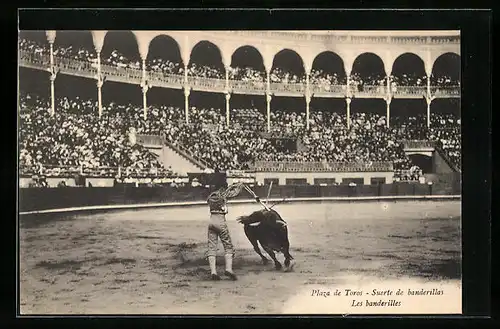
{"points": [[76, 137], [277, 75], [408, 79], [205, 71], [246, 74], [321, 77], [280, 75], [375, 79], [164, 66], [445, 81]]}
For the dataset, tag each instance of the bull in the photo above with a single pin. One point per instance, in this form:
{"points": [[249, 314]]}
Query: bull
{"points": [[270, 230]]}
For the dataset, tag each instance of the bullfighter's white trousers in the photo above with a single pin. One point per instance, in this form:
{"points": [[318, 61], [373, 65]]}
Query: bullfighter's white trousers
{"points": [[217, 228]]}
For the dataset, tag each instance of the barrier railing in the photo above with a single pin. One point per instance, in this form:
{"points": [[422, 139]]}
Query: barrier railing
{"points": [[160, 78], [326, 88], [415, 144], [291, 166], [149, 139], [288, 87], [446, 91], [30, 58], [369, 90], [102, 171], [207, 83], [134, 75], [406, 90], [122, 72], [255, 86]]}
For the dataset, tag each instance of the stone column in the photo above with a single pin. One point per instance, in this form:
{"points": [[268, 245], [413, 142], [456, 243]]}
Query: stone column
{"points": [[308, 101], [144, 87], [187, 91], [99, 95], [228, 97], [53, 75], [227, 77], [308, 90], [100, 82], [268, 100], [388, 78], [428, 85], [428, 96], [186, 74], [388, 100], [268, 82], [429, 100], [348, 103]]}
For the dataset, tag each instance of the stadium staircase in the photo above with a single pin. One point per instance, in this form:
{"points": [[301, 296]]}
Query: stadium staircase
{"points": [[180, 160], [441, 153]]}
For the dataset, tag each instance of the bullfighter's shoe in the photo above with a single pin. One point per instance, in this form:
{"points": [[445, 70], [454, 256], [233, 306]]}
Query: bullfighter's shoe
{"points": [[215, 277], [231, 275], [229, 267]]}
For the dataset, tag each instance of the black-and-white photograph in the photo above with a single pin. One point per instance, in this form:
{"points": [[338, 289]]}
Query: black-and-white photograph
{"points": [[239, 172]]}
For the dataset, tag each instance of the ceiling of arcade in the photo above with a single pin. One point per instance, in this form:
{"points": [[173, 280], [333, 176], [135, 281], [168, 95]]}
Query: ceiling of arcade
{"points": [[228, 43]]}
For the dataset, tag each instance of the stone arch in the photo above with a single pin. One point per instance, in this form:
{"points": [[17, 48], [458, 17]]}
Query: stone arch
{"points": [[339, 68], [292, 56], [196, 44], [213, 49], [38, 36], [120, 44], [442, 68], [164, 40], [80, 39], [376, 67], [405, 71], [253, 51]]}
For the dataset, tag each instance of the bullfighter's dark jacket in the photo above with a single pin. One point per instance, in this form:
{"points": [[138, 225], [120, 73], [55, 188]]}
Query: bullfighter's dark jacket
{"points": [[217, 203]]}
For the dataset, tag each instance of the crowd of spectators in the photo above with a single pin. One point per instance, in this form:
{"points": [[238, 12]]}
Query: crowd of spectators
{"points": [[164, 66], [328, 140], [375, 79], [246, 74], [277, 75], [408, 79], [205, 71], [445, 81], [320, 77], [280, 75], [76, 137]]}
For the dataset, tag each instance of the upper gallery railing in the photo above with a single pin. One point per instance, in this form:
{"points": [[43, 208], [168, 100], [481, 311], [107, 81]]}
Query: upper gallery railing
{"points": [[134, 75], [297, 166]]}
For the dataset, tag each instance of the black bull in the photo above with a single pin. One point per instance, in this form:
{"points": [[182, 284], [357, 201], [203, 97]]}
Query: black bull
{"points": [[268, 228]]}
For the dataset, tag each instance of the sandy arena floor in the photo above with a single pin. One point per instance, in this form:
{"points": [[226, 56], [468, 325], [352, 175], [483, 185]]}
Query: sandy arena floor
{"points": [[152, 261]]}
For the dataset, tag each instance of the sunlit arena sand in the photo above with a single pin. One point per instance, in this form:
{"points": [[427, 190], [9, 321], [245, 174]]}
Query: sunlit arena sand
{"points": [[152, 261]]}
